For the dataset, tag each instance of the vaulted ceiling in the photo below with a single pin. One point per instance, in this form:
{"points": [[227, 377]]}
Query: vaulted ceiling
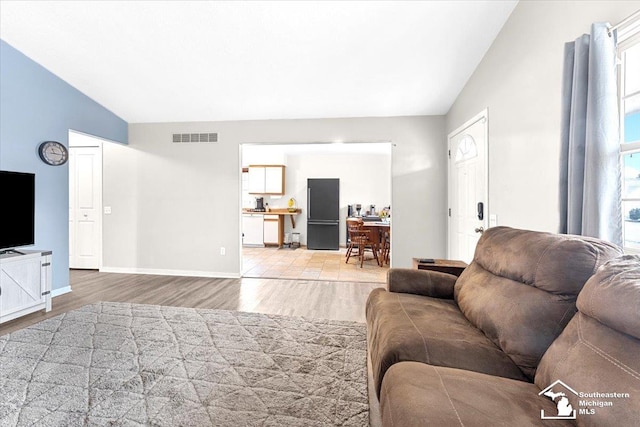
{"points": [[159, 61]]}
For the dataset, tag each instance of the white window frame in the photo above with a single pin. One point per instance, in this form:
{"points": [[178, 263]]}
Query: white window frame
{"points": [[628, 36]]}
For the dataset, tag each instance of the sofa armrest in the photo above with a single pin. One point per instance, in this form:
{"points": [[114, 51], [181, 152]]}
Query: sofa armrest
{"points": [[421, 282]]}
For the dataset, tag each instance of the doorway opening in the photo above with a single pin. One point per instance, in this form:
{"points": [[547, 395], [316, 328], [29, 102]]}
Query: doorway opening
{"points": [[364, 172]]}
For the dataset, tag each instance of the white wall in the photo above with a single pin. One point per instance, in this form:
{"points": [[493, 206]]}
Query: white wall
{"points": [[364, 178], [175, 205], [519, 81], [364, 170]]}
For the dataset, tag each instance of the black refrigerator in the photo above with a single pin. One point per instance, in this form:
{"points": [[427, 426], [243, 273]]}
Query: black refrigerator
{"points": [[323, 212]]}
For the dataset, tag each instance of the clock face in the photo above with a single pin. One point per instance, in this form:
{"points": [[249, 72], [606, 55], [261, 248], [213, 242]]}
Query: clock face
{"points": [[53, 153]]}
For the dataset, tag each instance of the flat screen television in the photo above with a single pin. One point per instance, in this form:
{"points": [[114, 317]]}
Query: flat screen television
{"points": [[17, 192]]}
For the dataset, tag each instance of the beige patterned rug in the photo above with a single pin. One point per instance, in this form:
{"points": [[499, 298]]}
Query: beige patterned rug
{"points": [[119, 364]]}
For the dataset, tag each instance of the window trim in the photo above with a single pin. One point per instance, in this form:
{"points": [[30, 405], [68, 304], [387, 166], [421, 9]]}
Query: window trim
{"points": [[628, 36]]}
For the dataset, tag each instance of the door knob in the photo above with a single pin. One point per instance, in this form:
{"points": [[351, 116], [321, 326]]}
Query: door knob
{"points": [[480, 230]]}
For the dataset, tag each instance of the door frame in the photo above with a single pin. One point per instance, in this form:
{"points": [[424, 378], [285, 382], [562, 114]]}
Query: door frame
{"points": [[482, 115], [92, 141], [390, 143]]}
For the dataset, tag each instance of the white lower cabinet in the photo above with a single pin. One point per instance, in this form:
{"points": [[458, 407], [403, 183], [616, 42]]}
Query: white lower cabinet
{"points": [[271, 229], [252, 230], [25, 283]]}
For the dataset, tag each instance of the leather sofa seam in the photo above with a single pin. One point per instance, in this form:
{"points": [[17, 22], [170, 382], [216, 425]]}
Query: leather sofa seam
{"points": [[535, 368], [596, 265], [386, 392], [542, 255], [590, 311], [424, 341], [593, 271], [448, 395], [559, 328], [565, 357], [606, 356]]}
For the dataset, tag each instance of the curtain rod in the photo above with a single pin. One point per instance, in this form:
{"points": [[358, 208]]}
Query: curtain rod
{"points": [[622, 23]]}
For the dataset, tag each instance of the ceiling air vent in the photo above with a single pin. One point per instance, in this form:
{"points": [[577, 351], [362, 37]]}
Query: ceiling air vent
{"points": [[195, 137]]}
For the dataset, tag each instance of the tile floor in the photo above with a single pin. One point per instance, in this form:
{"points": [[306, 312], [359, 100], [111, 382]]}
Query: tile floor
{"points": [[302, 263]]}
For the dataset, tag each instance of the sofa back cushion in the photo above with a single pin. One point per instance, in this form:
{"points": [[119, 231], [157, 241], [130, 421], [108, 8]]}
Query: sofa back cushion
{"points": [[598, 353], [521, 287]]}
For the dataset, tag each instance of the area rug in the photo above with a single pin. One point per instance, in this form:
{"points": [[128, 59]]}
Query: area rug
{"points": [[120, 364]]}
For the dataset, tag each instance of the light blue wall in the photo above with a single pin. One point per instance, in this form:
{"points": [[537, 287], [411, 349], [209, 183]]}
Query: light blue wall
{"points": [[36, 106]]}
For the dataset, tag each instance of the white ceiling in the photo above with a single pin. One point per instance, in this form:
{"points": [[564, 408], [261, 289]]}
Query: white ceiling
{"points": [[159, 61]]}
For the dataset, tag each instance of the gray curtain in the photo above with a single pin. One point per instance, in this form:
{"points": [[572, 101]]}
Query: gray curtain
{"points": [[590, 148]]}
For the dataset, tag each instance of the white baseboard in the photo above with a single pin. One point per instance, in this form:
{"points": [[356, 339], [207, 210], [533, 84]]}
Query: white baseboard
{"points": [[60, 291], [163, 272]]}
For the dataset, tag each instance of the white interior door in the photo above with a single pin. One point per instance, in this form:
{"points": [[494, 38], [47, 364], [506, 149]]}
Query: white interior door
{"points": [[85, 206], [468, 187]]}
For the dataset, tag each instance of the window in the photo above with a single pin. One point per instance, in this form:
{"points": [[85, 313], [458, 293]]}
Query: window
{"points": [[629, 97], [467, 149]]}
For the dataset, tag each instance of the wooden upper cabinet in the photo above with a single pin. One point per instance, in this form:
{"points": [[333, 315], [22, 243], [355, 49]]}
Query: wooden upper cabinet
{"points": [[266, 179]]}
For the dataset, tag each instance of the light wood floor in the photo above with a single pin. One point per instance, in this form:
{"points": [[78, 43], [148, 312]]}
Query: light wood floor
{"points": [[321, 299]]}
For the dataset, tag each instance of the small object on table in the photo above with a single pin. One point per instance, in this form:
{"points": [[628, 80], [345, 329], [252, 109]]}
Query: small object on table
{"points": [[442, 265], [291, 205], [427, 261]]}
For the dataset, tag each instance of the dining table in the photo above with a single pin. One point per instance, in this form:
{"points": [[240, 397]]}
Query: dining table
{"points": [[379, 230]]}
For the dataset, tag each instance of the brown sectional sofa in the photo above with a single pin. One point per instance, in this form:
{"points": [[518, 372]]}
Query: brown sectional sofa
{"points": [[464, 351]]}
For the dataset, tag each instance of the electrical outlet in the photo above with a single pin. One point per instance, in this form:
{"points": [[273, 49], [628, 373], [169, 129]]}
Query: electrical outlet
{"points": [[223, 251], [493, 220], [107, 210]]}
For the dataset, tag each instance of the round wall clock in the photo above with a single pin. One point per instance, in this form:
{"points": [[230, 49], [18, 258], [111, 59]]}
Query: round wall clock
{"points": [[53, 153]]}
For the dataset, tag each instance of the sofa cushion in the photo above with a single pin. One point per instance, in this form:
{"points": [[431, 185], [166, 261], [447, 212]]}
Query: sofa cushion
{"points": [[521, 287], [416, 394], [612, 296], [405, 327], [599, 350]]}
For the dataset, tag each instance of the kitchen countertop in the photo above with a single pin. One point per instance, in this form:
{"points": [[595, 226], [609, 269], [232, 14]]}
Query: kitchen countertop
{"points": [[284, 211]]}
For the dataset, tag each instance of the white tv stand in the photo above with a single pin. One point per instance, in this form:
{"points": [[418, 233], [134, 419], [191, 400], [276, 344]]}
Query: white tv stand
{"points": [[25, 283]]}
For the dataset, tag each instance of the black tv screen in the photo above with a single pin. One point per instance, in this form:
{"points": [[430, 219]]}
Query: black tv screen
{"points": [[17, 192]]}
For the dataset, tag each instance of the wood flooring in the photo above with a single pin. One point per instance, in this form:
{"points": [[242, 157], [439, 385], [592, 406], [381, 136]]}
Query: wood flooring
{"points": [[321, 299], [309, 298]]}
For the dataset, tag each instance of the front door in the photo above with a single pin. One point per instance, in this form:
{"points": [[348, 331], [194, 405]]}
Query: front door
{"points": [[468, 187], [85, 205]]}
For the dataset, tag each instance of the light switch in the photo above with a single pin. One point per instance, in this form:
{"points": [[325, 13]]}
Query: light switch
{"points": [[107, 210]]}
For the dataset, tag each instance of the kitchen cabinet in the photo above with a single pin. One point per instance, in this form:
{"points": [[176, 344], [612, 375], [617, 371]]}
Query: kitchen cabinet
{"points": [[271, 229], [252, 230], [266, 179]]}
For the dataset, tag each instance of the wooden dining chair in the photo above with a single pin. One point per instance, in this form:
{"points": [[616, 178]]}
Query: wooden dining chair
{"points": [[385, 248], [360, 240]]}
